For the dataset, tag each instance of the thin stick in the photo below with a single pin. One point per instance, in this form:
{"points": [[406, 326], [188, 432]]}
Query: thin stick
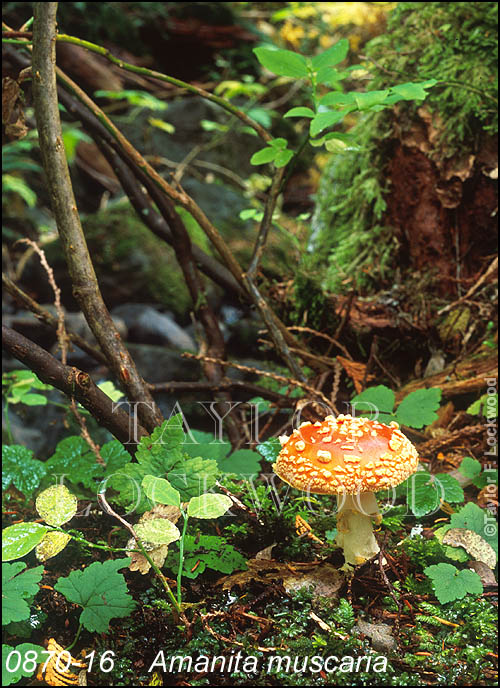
{"points": [[85, 285], [46, 317], [280, 378]]}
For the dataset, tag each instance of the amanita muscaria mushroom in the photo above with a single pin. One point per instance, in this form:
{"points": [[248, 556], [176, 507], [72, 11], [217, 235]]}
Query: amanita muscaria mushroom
{"points": [[352, 458]]}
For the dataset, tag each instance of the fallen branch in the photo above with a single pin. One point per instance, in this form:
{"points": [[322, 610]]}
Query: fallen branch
{"points": [[74, 383]]}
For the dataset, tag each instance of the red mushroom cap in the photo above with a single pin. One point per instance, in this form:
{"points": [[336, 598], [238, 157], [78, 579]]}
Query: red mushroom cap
{"points": [[346, 455]]}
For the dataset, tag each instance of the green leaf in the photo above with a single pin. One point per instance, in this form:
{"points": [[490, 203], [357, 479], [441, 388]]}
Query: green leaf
{"points": [[278, 143], [482, 522], [74, 461], [451, 584], [21, 469], [323, 120], [56, 505], [282, 62], [203, 551], [332, 56], [161, 124], [51, 544], [451, 488], [372, 400], [206, 446], [159, 531], [209, 506], [108, 387], [16, 588], [366, 101], [283, 158], [424, 495], [263, 156], [115, 455], [300, 112], [21, 538], [160, 490], [11, 677], [470, 467], [243, 461], [193, 477], [141, 99], [101, 591], [337, 98], [270, 449], [419, 408], [414, 91]]}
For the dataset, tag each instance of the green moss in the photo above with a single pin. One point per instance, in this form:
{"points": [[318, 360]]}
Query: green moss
{"points": [[348, 232], [126, 254], [454, 43]]}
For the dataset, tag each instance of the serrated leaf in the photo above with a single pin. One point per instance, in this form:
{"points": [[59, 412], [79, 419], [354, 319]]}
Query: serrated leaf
{"points": [[299, 112], [11, 677], [243, 462], [163, 446], [419, 408], [451, 584], [74, 461], [17, 586], [206, 446], [159, 531], [115, 455], [203, 551], [379, 399], [473, 543], [193, 477], [270, 449], [209, 506], [450, 488], [160, 490], [414, 91], [56, 505], [282, 62], [101, 591], [52, 543], [323, 120], [332, 56], [263, 156], [424, 495], [21, 469], [21, 538]]}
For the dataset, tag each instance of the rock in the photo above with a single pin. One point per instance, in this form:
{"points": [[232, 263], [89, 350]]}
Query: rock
{"points": [[145, 321], [379, 634]]}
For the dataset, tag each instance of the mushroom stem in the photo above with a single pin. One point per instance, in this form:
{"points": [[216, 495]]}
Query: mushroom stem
{"points": [[355, 528]]}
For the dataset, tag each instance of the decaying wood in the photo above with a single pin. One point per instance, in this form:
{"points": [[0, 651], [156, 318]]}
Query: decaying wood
{"points": [[467, 376]]}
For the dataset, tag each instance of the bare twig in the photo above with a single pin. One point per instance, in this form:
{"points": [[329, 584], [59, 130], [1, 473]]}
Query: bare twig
{"points": [[46, 317], [332, 340], [489, 273], [256, 371], [61, 329], [85, 286], [265, 224]]}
